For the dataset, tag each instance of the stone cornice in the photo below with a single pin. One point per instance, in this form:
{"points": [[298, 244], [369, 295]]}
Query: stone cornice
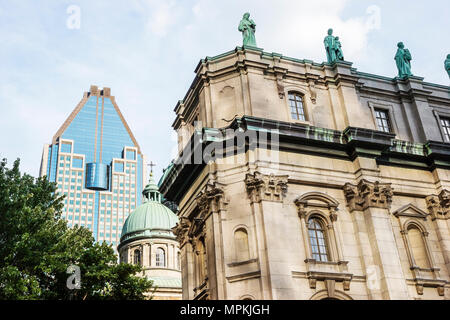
{"points": [[302, 138], [243, 58]]}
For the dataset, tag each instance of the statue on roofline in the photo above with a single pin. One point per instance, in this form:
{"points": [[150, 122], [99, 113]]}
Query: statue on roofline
{"points": [[333, 47], [447, 64], [403, 60], [248, 28]]}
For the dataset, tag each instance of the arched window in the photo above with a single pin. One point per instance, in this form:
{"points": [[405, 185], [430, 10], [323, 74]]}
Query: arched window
{"points": [[317, 239], [418, 247], [137, 257], [241, 245], [296, 106], [160, 257], [179, 260]]}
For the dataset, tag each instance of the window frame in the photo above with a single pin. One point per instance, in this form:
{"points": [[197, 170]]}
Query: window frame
{"points": [[303, 107], [237, 256], [139, 256], [445, 128], [414, 259], [389, 109], [157, 258], [440, 113], [319, 221], [382, 115]]}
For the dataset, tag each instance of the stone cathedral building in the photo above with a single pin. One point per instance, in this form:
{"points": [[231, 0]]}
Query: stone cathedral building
{"points": [[348, 199], [147, 240]]}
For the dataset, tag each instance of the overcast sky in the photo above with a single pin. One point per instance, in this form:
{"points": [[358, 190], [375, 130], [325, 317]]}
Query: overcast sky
{"points": [[146, 52]]}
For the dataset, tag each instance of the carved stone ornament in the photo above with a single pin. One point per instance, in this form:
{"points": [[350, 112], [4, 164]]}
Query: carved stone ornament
{"points": [[444, 198], [266, 187], [439, 206], [211, 198], [280, 86], [368, 195], [181, 230], [312, 91]]}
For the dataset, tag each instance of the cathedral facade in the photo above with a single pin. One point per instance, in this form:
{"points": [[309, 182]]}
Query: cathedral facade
{"points": [[339, 189]]}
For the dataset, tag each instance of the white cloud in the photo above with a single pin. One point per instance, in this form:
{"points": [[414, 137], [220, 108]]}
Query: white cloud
{"points": [[161, 15], [295, 28], [146, 51]]}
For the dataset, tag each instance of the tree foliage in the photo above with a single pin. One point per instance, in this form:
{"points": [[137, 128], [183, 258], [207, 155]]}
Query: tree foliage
{"points": [[37, 247]]}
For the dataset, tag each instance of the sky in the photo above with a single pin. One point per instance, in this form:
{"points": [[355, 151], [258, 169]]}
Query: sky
{"points": [[146, 52]]}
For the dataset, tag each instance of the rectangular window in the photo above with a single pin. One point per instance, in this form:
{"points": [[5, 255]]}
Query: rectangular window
{"points": [[77, 162], [383, 122], [445, 122], [118, 166], [131, 155], [296, 106], [66, 147]]}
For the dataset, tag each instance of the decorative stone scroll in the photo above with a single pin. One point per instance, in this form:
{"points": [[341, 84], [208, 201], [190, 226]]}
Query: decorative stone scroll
{"points": [[368, 195], [266, 187]]}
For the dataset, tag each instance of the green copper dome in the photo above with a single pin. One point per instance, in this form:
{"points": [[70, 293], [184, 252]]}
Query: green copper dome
{"points": [[152, 219]]}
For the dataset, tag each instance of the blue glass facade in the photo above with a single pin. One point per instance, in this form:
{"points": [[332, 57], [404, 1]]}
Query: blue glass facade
{"points": [[97, 164], [97, 176]]}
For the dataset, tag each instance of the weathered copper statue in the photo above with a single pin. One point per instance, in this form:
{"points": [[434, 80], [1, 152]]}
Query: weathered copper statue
{"points": [[248, 29], [403, 59]]}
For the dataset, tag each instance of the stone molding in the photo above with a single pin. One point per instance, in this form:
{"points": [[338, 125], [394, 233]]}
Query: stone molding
{"points": [[368, 195], [317, 200], [262, 187]]}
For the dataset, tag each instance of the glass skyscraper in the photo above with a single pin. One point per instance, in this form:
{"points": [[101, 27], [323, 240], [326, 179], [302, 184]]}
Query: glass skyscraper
{"points": [[97, 163]]}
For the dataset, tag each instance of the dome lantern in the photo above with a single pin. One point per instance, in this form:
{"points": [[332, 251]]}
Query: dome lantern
{"points": [[151, 191]]}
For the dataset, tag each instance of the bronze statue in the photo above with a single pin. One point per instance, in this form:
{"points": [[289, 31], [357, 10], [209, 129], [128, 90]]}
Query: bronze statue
{"points": [[248, 29], [333, 48], [447, 64], [403, 60]]}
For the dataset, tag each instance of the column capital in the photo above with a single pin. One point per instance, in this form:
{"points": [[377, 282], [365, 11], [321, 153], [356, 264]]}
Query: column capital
{"points": [[368, 195], [439, 206], [263, 187]]}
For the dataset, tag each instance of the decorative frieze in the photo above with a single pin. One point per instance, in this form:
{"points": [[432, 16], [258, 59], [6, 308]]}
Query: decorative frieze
{"points": [[368, 195], [266, 187]]}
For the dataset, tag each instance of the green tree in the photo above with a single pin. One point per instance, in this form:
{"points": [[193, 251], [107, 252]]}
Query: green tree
{"points": [[37, 247]]}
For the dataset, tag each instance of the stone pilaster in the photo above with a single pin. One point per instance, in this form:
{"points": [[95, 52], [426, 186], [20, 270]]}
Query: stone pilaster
{"points": [[370, 203], [266, 194], [439, 209], [212, 204]]}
